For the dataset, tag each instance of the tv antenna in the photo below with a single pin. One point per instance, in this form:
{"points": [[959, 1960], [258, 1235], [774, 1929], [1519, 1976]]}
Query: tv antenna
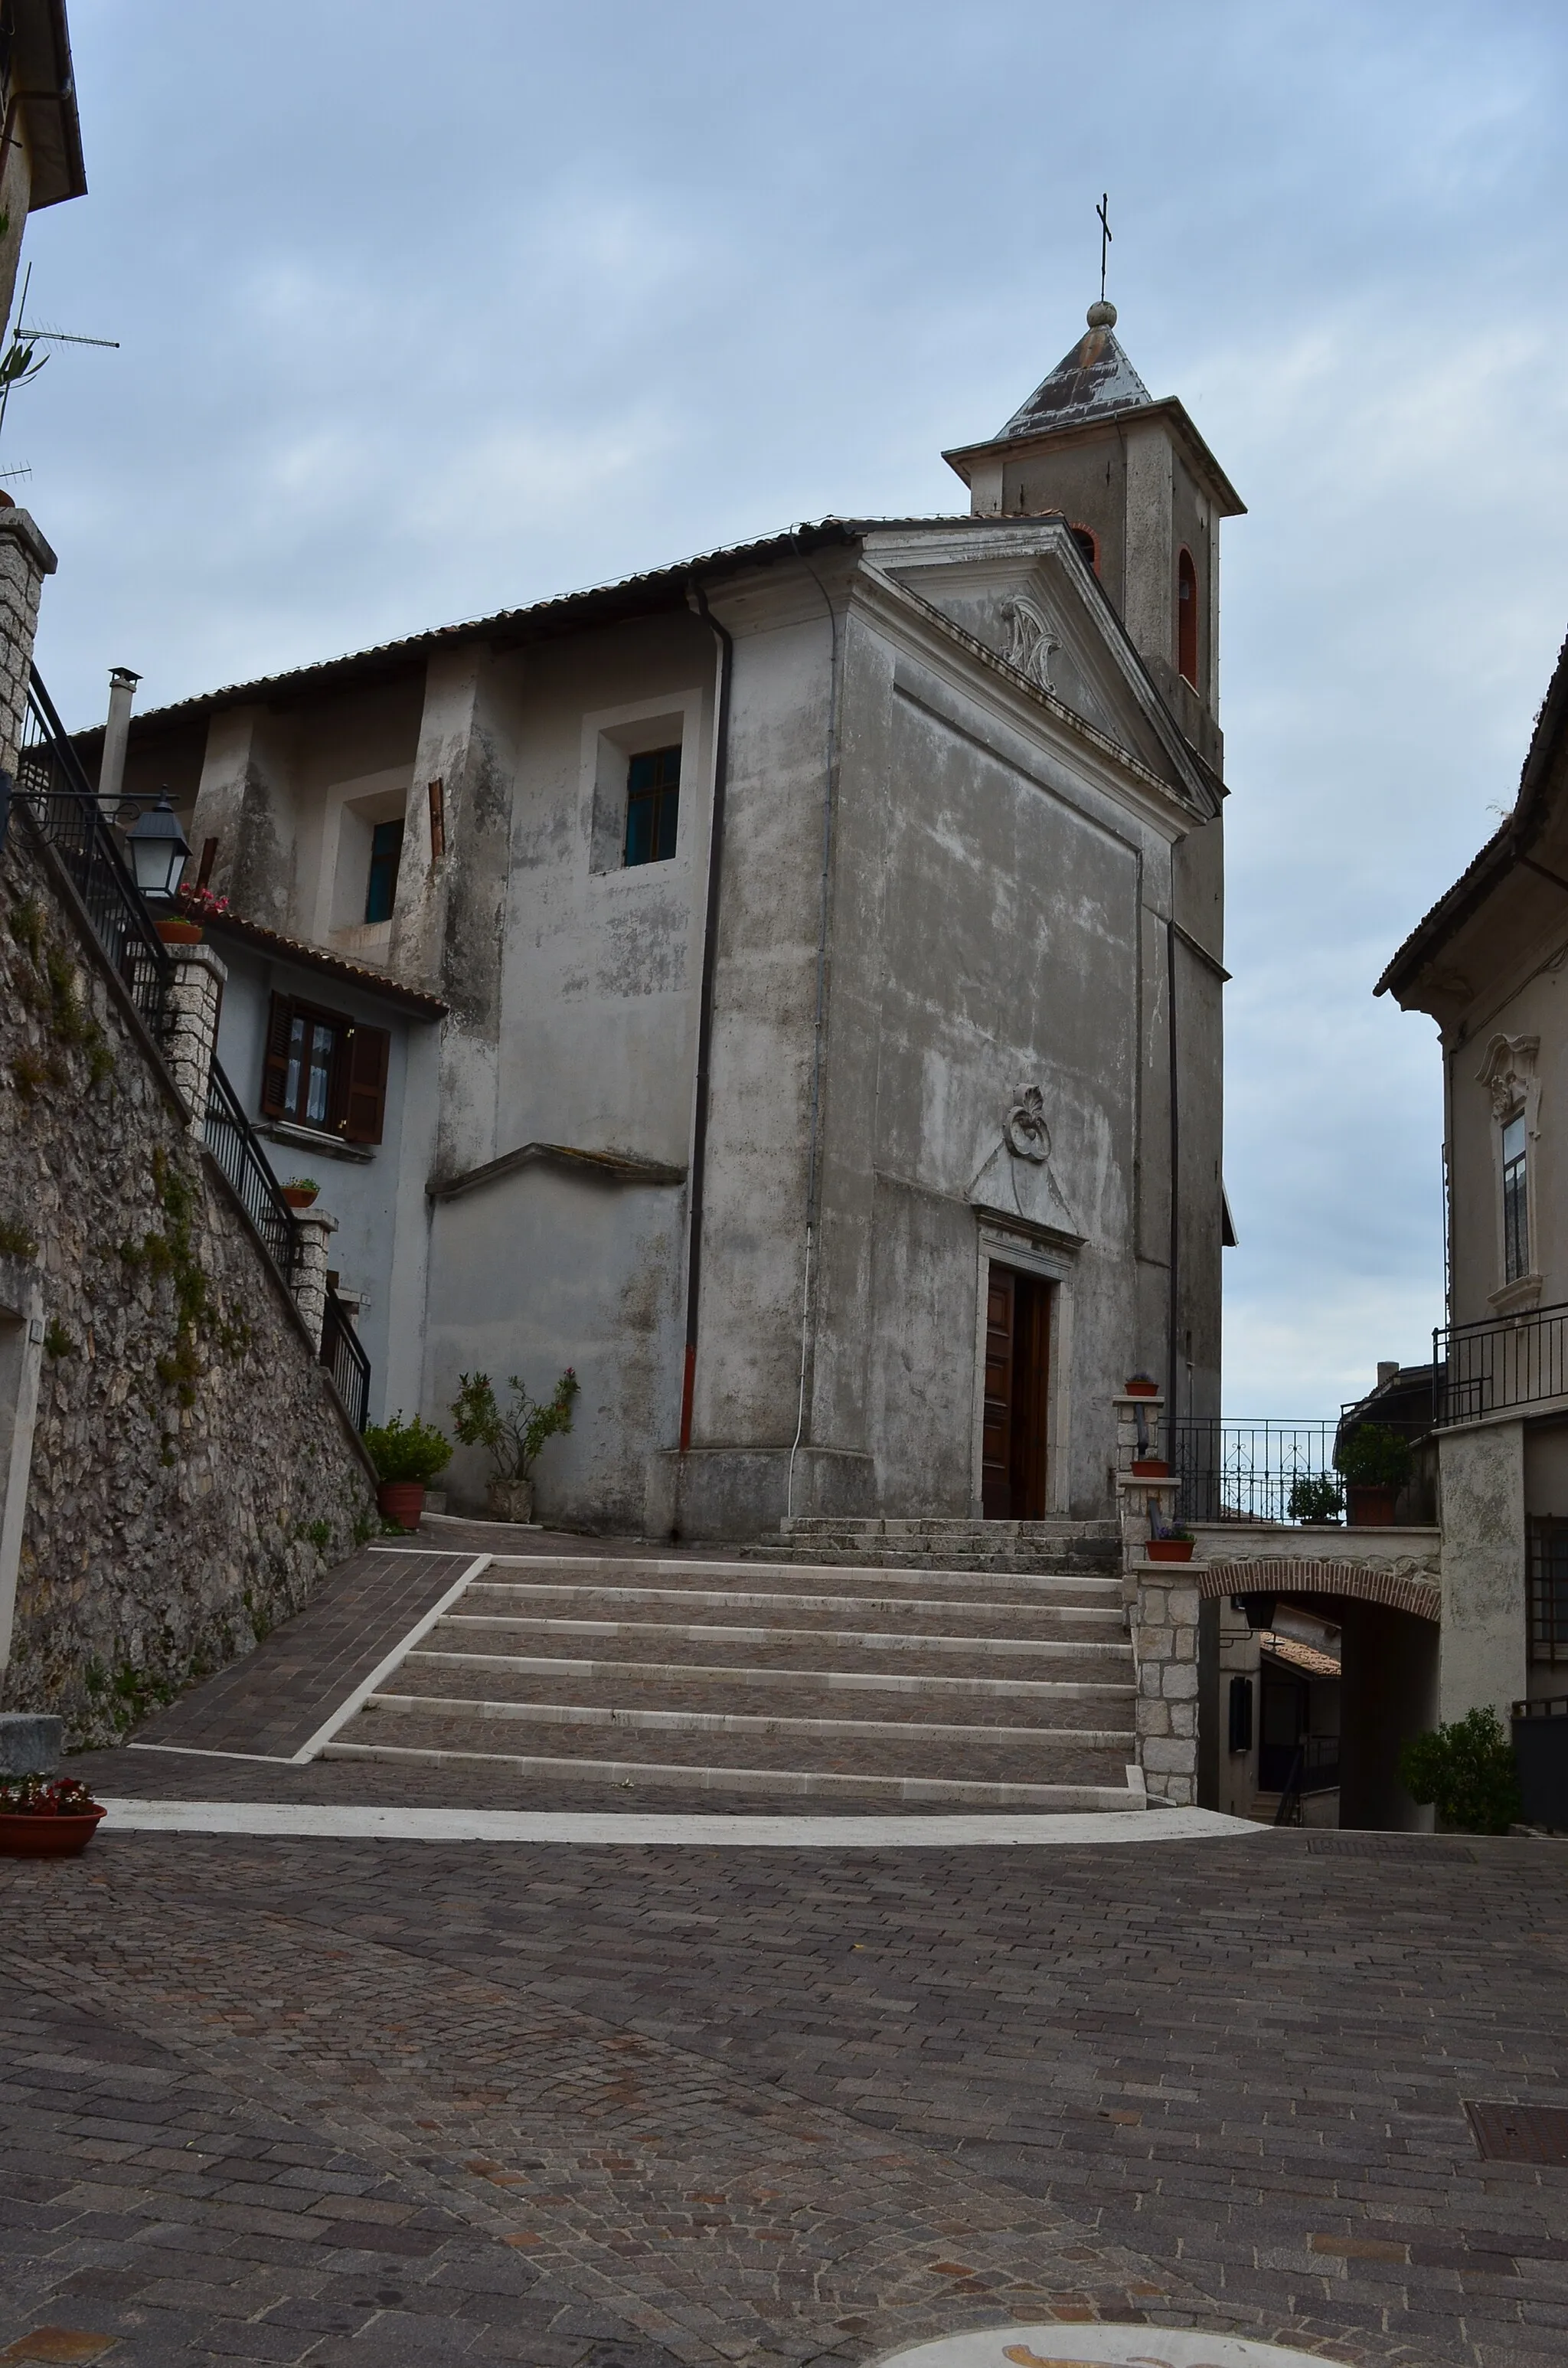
{"points": [[21, 362]]}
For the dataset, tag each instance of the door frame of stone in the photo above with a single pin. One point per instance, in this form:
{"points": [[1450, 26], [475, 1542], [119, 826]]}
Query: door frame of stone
{"points": [[1031, 1253]]}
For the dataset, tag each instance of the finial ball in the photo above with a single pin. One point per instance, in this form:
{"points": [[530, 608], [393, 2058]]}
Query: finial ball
{"points": [[1103, 315]]}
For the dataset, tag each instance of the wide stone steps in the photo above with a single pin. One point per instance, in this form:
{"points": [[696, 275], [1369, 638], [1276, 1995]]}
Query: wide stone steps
{"points": [[856, 1682], [999, 1546]]}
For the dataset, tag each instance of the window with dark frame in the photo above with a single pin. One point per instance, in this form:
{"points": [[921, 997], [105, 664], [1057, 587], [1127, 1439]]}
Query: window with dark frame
{"points": [[386, 853], [653, 806], [1515, 1200], [1548, 1589], [325, 1071]]}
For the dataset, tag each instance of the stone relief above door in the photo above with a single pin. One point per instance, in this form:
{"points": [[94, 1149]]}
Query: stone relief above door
{"points": [[1016, 1180]]}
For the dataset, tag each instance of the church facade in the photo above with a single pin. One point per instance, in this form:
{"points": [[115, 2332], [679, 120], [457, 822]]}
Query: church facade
{"points": [[802, 972]]}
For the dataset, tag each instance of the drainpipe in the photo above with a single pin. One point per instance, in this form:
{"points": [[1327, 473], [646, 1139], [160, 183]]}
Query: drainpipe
{"points": [[117, 731], [1175, 1190], [698, 602]]}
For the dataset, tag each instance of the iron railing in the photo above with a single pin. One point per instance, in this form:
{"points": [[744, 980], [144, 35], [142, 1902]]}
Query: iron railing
{"points": [[1293, 1769], [345, 1361], [232, 1140], [1263, 1471], [52, 785], [1486, 1368]]}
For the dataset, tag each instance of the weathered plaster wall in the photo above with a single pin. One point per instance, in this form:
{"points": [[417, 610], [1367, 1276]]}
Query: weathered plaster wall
{"points": [[1481, 1478], [191, 1477], [381, 1224]]}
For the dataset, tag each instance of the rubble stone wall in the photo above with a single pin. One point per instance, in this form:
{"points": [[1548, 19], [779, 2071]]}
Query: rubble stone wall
{"points": [[193, 1477]]}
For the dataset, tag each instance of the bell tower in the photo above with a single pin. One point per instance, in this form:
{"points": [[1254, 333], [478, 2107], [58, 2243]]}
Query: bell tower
{"points": [[1143, 496]]}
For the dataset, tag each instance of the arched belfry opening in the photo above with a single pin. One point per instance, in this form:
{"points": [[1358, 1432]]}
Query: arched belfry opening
{"points": [[1187, 618]]}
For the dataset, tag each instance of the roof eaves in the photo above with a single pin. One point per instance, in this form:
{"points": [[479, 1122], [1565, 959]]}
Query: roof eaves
{"points": [[334, 965], [1508, 845]]}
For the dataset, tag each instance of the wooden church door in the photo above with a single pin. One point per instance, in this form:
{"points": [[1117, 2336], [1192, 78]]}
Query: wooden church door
{"points": [[1018, 1362]]}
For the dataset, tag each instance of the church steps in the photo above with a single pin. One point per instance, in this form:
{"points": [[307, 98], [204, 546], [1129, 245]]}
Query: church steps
{"points": [[660, 1703], [434, 1665], [440, 1748], [1015, 1547], [790, 1646], [1014, 1688]]}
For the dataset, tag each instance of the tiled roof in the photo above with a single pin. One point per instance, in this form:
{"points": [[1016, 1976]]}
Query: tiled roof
{"points": [[295, 949], [1297, 1656]]}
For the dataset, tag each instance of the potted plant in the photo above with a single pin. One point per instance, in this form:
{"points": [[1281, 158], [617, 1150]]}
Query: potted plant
{"points": [[1173, 1544], [1375, 1463], [1150, 1467], [512, 1435], [405, 1454], [300, 1190], [178, 931], [46, 1817], [1140, 1385], [1314, 1497]]}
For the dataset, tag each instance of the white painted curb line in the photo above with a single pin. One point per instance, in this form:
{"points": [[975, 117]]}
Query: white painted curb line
{"points": [[308, 1821]]}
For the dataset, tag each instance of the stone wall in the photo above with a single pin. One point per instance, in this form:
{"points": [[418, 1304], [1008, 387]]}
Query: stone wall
{"points": [[192, 1475]]}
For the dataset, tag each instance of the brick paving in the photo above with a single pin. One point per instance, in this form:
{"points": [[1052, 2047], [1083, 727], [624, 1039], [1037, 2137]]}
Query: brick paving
{"points": [[274, 1699], [628, 2107]]}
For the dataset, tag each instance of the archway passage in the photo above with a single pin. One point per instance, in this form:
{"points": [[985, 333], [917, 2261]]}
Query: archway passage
{"points": [[1017, 1369]]}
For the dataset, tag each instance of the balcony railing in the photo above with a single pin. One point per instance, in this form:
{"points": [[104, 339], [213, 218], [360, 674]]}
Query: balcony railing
{"points": [[1514, 1360], [232, 1140], [56, 792], [345, 1361], [1235, 1471]]}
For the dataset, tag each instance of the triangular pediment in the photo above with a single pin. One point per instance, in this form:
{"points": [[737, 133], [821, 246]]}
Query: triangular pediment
{"points": [[1027, 595]]}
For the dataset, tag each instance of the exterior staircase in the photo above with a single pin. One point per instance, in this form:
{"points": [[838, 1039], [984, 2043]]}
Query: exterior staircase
{"points": [[1048, 1547], [852, 1683]]}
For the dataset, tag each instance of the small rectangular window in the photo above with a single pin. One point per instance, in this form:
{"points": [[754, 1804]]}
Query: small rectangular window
{"points": [[386, 852], [1515, 1201], [653, 806], [325, 1070], [1549, 1589]]}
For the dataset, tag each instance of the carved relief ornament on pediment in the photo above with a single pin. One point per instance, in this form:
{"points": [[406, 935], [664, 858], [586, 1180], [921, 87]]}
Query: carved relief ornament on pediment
{"points": [[1031, 641], [1509, 1075]]}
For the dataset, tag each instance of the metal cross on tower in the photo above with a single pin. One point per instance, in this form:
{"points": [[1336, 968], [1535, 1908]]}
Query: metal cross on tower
{"points": [[1101, 210]]}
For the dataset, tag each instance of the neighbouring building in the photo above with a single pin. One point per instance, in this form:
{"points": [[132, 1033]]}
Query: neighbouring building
{"points": [[1488, 963], [798, 976]]}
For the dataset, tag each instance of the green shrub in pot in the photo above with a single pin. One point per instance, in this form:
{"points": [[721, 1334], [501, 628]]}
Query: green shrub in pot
{"points": [[408, 1450]]}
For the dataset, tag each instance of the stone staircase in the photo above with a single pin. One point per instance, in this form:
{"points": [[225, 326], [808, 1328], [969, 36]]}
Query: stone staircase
{"points": [[853, 1683], [1047, 1547]]}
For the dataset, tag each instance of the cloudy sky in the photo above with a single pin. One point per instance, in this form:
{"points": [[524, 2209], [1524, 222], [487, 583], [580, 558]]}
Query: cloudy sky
{"points": [[425, 313]]}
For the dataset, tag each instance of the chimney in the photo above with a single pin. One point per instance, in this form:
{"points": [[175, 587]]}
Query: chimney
{"points": [[1387, 1373], [117, 731]]}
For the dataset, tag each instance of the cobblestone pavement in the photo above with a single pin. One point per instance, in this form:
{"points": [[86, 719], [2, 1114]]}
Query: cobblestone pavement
{"points": [[620, 2109]]}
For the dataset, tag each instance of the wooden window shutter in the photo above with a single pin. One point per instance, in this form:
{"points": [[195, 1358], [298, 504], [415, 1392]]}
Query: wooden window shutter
{"points": [[365, 1098], [275, 1063]]}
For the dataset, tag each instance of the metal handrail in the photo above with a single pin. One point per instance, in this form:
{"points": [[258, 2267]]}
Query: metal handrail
{"points": [[232, 1140], [52, 784], [343, 1354], [1232, 1470], [1490, 1365]]}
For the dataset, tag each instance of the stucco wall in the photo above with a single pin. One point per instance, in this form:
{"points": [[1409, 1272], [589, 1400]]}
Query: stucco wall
{"points": [[1483, 1640], [191, 1478]]}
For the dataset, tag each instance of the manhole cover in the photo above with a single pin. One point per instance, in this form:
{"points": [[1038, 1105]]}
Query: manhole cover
{"points": [[1520, 2133], [1097, 2347]]}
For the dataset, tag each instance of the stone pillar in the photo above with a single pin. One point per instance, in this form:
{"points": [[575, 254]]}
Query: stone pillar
{"points": [[1164, 1651], [25, 559], [315, 1230], [1483, 1659], [193, 1025]]}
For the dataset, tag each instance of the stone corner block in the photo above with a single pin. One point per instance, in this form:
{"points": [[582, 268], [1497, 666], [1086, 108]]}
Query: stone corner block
{"points": [[30, 1743]]}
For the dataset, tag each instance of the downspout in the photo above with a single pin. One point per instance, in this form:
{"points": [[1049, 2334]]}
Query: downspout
{"points": [[1175, 1190], [698, 602]]}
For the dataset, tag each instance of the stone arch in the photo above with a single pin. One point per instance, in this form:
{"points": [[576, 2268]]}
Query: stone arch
{"points": [[1399, 1588]]}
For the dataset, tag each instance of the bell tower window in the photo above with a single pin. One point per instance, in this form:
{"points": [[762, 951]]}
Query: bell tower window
{"points": [[1187, 618], [1083, 536]]}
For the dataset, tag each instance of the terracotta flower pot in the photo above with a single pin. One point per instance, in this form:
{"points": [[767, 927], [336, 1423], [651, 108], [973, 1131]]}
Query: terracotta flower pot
{"points": [[402, 1502], [1170, 1549], [510, 1500], [179, 933], [297, 1200], [1140, 1386], [46, 1836], [1371, 1507], [1150, 1467]]}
